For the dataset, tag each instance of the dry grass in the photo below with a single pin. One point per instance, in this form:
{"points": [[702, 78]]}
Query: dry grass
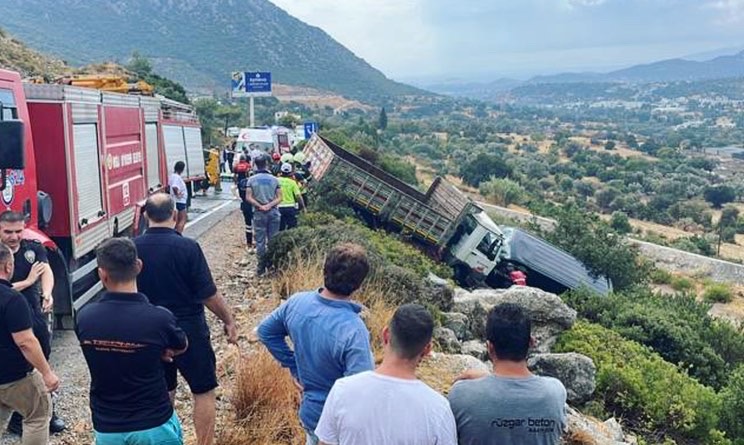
{"points": [[307, 273], [265, 403]]}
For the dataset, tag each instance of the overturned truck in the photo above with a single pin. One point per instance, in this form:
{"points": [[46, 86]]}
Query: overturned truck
{"points": [[448, 225]]}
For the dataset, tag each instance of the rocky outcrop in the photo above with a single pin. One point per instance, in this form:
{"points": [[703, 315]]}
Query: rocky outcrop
{"points": [[477, 349], [549, 314], [575, 371], [585, 430], [438, 292], [446, 341], [458, 323]]}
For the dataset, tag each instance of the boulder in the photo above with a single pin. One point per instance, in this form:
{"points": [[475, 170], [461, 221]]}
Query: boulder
{"points": [[446, 340], [458, 323], [476, 348], [575, 371], [586, 430], [549, 314], [440, 370], [438, 292]]}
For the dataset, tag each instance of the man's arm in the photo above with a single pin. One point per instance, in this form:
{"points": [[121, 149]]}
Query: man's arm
{"points": [[273, 334], [357, 354], [47, 286], [328, 429], [249, 197], [31, 350], [218, 306], [36, 270]]}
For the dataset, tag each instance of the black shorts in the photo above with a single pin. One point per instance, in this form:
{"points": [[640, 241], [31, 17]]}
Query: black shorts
{"points": [[197, 365]]}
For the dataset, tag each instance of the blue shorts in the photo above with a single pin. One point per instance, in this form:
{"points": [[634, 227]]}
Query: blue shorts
{"points": [[180, 206], [168, 433]]}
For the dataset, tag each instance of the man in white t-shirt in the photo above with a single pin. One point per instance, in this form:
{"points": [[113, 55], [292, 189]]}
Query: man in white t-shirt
{"points": [[179, 193], [389, 405]]}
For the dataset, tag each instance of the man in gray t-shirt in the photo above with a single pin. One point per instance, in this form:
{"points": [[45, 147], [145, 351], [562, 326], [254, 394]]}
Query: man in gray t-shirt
{"points": [[264, 194], [511, 406]]}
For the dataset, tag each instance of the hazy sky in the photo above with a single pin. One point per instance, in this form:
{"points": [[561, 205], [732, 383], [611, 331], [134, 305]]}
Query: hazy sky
{"points": [[481, 39]]}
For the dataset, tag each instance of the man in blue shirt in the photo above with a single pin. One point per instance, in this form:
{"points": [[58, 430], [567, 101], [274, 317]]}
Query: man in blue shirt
{"points": [[124, 339], [264, 194], [330, 339]]}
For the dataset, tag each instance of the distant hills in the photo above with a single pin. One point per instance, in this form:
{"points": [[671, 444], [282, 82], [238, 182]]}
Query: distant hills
{"points": [[198, 42], [719, 67]]}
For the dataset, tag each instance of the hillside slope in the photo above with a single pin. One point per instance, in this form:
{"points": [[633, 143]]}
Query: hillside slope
{"points": [[198, 42], [16, 56]]}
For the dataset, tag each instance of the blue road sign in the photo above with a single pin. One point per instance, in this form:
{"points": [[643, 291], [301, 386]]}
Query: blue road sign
{"points": [[310, 128], [258, 83]]}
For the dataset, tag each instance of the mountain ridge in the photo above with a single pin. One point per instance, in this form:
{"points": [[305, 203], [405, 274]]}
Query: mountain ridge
{"points": [[199, 42], [668, 70]]}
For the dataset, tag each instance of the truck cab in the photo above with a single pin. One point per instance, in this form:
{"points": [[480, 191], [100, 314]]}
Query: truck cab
{"points": [[475, 249]]}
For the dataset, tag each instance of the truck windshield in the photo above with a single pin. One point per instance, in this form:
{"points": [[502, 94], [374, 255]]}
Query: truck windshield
{"points": [[489, 246], [7, 102]]}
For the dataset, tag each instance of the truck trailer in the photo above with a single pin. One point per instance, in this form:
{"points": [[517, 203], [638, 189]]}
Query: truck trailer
{"points": [[79, 163], [447, 225]]}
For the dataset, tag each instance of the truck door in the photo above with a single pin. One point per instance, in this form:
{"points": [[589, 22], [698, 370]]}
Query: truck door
{"points": [[175, 146], [194, 152], [153, 160], [87, 173]]}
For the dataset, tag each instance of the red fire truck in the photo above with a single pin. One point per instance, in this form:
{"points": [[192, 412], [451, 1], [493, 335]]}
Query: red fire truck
{"points": [[79, 163]]}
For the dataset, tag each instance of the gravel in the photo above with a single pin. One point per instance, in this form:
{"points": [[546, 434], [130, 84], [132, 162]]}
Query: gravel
{"points": [[233, 271]]}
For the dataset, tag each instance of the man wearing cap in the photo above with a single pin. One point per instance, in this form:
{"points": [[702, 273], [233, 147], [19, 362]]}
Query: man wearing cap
{"points": [[264, 194], [291, 198], [276, 164]]}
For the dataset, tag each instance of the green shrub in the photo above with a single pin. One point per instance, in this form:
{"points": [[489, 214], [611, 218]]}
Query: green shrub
{"points": [[718, 293], [637, 385], [661, 276], [677, 327], [732, 407], [396, 265], [681, 283]]}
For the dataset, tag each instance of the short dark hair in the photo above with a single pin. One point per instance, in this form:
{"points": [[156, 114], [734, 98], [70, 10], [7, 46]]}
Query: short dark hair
{"points": [[5, 254], [261, 162], [179, 167], [10, 216], [160, 207], [346, 267], [411, 329], [508, 329], [118, 257]]}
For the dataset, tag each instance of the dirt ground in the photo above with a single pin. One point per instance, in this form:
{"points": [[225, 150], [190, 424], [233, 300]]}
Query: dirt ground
{"points": [[234, 272]]}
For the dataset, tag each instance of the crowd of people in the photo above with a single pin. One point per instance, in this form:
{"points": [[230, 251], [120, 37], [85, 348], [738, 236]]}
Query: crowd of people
{"points": [[149, 326], [346, 400], [146, 328], [272, 191]]}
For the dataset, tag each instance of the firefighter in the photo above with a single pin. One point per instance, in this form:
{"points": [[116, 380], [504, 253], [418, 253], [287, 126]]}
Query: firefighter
{"points": [[33, 277], [276, 164], [242, 172]]}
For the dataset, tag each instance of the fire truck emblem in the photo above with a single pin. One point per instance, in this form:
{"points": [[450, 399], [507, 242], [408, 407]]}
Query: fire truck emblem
{"points": [[8, 191], [30, 256], [109, 161]]}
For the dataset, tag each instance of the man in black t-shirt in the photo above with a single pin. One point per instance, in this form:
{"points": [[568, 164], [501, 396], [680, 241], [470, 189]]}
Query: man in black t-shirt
{"points": [[124, 340], [176, 275], [22, 388], [34, 279]]}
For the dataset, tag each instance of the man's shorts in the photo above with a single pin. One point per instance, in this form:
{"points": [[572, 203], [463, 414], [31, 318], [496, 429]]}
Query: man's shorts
{"points": [[168, 433], [197, 365], [181, 206]]}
